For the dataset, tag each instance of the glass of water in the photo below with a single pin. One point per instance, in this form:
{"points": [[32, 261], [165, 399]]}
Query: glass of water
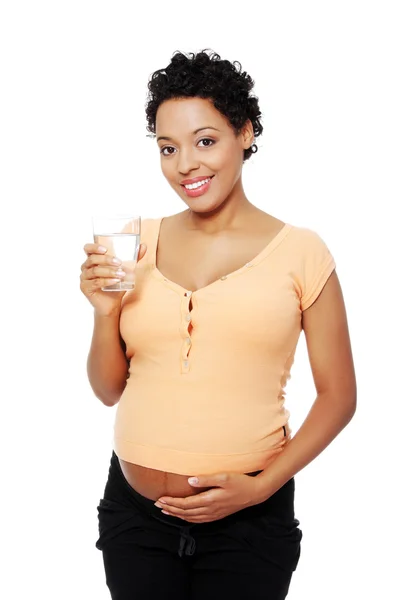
{"points": [[121, 236]]}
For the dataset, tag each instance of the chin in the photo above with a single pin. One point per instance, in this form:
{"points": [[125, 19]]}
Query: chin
{"points": [[202, 204], [203, 207]]}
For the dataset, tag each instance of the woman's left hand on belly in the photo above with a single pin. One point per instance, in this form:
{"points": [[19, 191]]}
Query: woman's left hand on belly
{"points": [[230, 493]]}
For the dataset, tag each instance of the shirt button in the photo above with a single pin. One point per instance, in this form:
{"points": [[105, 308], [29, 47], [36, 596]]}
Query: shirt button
{"points": [[188, 340], [224, 277], [185, 363], [188, 294], [188, 318]]}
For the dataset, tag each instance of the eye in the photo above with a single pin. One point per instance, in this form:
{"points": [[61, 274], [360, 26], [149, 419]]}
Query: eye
{"points": [[211, 142], [166, 148]]}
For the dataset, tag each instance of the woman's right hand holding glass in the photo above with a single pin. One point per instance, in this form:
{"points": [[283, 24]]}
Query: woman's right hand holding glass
{"points": [[99, 270]]}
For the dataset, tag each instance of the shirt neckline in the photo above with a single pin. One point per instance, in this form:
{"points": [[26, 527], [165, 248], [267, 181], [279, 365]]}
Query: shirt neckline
{"points": [[272, 244]]}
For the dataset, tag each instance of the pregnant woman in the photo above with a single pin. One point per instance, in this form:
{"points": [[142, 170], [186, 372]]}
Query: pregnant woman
{"points": [[199, 499]]}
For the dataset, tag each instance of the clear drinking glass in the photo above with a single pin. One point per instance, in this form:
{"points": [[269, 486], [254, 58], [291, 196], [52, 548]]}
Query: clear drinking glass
{"points": [[120, 234]]}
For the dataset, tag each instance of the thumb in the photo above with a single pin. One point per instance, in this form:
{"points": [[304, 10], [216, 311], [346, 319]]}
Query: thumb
{"points": [[217, 480], [142, 251]]}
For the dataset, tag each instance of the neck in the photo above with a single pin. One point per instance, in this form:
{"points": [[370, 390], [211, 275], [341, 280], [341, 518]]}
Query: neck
{"points": [[232, 211]]}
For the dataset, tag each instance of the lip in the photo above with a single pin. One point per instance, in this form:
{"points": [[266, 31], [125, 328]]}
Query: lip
{"points": [[196, 179], [199, 191]]}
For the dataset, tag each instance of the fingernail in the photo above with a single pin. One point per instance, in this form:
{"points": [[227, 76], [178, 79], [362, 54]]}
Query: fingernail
{"points": [[102, 249], [193, 480], [116, 261], [157, 504]]}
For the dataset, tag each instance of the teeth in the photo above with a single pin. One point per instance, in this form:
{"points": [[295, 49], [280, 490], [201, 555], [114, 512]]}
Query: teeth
{"points": [[193, 186]]}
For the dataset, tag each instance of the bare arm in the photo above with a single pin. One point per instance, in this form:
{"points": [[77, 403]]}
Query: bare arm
{"points": [[328, 343], [107, 366]]}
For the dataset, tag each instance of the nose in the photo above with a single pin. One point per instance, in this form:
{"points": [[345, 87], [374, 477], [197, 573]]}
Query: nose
{"points": [[187, 161]]}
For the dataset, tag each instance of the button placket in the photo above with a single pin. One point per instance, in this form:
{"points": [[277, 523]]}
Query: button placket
{"points": [[186, 338]]}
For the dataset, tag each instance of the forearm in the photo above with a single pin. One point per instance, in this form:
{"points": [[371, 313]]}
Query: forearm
{"points": [[323, 423], [107, 367]]}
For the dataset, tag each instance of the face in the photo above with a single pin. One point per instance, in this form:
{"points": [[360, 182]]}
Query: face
{"points": [[200, 149]]}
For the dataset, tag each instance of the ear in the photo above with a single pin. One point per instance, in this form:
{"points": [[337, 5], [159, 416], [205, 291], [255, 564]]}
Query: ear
{"points": [[247, 134]]}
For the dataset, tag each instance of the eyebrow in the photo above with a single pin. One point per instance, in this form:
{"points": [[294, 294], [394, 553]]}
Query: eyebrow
{"points": [[163, 137]]}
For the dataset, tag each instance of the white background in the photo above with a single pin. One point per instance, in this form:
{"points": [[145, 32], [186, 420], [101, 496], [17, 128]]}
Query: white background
{"points": [[73, 141]]}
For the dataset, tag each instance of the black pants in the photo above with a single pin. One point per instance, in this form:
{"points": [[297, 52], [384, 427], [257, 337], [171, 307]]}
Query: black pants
{"points": [[147, 555]]}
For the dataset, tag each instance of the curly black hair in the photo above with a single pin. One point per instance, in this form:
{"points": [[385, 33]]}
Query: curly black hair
{"points": [[205, 75]]}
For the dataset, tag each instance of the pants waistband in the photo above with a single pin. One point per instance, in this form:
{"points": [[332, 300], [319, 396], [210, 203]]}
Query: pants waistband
{"points": [[281, 502], [123, 509]]}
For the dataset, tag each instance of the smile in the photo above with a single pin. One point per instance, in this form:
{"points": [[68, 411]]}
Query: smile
{"points": [[194, 186], [197, 189]]}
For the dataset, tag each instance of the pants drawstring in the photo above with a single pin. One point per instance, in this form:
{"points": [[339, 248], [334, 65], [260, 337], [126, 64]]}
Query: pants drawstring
{"points": [[187, 543]]}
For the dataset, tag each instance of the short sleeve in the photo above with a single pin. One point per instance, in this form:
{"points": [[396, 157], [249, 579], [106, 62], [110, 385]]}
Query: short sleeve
{"points": [[317, 264]]}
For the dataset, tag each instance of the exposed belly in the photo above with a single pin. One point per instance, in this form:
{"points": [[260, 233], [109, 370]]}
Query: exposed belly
{"points": [[153, 484]]}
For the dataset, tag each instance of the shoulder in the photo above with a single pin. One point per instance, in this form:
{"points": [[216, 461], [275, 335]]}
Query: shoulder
{"points": [[306, 236], [149, 228], [148, 222], [306, 244], [153, 223]]}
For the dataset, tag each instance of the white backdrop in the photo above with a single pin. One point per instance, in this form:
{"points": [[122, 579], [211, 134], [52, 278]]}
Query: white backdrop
{"points": [[73, 141]]}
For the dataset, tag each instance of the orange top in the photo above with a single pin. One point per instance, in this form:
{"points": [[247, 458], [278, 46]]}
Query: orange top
{"points": [[205, 391]]}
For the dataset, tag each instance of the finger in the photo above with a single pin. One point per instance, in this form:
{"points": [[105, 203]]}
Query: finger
{"points": [[98, 271], [97, 259], [190, 512], [106, 259], [89, 286], [196, 519], [196, 501], [217, 480], [172, 503], [94, 249]]}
